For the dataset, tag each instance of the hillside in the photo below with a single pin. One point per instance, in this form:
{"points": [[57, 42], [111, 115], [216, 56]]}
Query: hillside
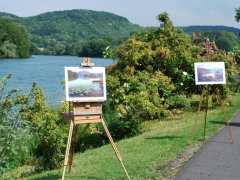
{"points": [[191, 29], [85, 32], [65, 32]]}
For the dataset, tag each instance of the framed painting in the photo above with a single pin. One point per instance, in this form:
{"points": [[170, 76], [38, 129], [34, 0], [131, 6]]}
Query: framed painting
{"points": [[84, 84], [210, 73]]}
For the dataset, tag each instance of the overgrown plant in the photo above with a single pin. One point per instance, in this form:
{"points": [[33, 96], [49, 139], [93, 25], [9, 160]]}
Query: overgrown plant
{"points": [[48, 128], [15, 136]]}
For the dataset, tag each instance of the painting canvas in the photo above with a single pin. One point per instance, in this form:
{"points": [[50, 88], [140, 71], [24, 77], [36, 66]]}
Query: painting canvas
{"points": [[85, 84], [210, 73]]}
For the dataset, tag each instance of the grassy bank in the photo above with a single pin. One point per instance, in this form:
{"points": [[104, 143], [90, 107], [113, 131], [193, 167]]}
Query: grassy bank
{"points": [[148, 155]]}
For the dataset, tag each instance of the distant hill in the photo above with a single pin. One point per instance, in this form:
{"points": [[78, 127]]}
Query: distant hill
{"points": [[61, 31], [86, 32], [8, 15], [191, 29]]}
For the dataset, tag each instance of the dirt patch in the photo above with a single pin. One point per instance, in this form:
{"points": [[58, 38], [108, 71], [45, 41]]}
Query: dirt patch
{"points": [[169, 170]]}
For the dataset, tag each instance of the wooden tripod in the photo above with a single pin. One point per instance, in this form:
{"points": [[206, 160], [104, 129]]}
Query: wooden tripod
{"points": [[86, 113], [205, 97]]}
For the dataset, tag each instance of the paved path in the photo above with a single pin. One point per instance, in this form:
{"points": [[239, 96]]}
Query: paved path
{"points": [[217, 159]]}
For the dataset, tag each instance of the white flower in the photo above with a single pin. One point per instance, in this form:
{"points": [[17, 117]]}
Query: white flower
{"points": [[125, 85], [185, 73], [181, 84]]}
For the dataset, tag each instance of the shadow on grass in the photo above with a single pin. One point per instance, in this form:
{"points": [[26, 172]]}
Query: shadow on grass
{"points": [[236, 124], [163, 137], [48, 177], [84, 177], [57, 177]]}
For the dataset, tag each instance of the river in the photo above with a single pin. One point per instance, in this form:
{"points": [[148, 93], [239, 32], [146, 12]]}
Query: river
{"points": [[46, 71]]}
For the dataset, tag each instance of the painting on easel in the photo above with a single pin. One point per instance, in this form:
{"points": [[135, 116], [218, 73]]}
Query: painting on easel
{"points": [[85, 84], [210, 73]]}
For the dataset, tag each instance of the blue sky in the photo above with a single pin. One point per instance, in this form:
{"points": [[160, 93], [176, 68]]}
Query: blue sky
{"points": [[143, 12]]}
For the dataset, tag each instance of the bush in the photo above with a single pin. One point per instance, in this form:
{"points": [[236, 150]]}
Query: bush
{"points": [[48, 128], [120, 126], [133, 99], [15, 136], [178, 102]]}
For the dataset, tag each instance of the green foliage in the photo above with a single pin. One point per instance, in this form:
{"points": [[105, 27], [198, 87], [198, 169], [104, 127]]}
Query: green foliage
{"points": [[236, 54], [108, 53], [178, 102], [167, 50], [15, 136], [137, 98], [191, 29], [29, 130], [14, 42], [155, 75], [93, 48], [224, 40], [48, 129]]}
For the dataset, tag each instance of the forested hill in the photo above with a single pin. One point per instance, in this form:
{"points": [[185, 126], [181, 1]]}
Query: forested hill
{"points": [[191, 29], [87, 32], [66, 32]]}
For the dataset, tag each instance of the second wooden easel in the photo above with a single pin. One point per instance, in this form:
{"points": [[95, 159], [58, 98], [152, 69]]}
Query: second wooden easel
{"points": [[205, 97], [86, 113]]}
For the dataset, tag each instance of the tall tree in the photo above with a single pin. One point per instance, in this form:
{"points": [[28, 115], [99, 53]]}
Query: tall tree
{"points": [[237, 16]]}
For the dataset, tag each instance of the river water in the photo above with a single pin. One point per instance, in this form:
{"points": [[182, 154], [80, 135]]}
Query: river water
{"points": [[46, 71]]}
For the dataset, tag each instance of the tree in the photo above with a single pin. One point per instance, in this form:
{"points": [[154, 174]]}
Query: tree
{"points": [[8, 50], [237, 16], [14, 42], [93, 48], [224, 40]]}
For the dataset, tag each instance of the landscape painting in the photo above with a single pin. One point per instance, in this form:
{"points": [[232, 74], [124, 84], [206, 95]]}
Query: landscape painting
{"points": [[85, 84], [210, 73]]}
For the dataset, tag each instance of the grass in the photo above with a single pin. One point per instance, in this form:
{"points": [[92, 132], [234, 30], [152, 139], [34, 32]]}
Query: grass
{"points": [[145, 156]]}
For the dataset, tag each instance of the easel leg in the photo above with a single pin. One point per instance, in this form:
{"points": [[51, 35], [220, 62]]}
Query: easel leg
{"points": [[201, 100], [72, 148], [66, 159], [206, 112], [115, 148], [199, 109]]}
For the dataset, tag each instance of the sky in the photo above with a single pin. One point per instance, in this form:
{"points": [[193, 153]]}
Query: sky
{"points": [[142, 12]]}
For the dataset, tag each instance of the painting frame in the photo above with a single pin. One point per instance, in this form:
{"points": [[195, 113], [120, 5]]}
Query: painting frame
{"points": [[86, 75], [207, 73]]}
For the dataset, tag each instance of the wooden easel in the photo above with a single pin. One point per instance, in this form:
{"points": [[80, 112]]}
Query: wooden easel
{"points": [[86, 113], [205, 97]]}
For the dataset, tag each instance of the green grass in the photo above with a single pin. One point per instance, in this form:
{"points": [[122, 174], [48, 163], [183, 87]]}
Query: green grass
{"points": [[145, 155]]}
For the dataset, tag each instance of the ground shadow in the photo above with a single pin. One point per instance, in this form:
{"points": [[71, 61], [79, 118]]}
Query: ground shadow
{"points": [[57, 177], [236, 124], [85, 177], [163, 137], [221, 142], [48, 177]]}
